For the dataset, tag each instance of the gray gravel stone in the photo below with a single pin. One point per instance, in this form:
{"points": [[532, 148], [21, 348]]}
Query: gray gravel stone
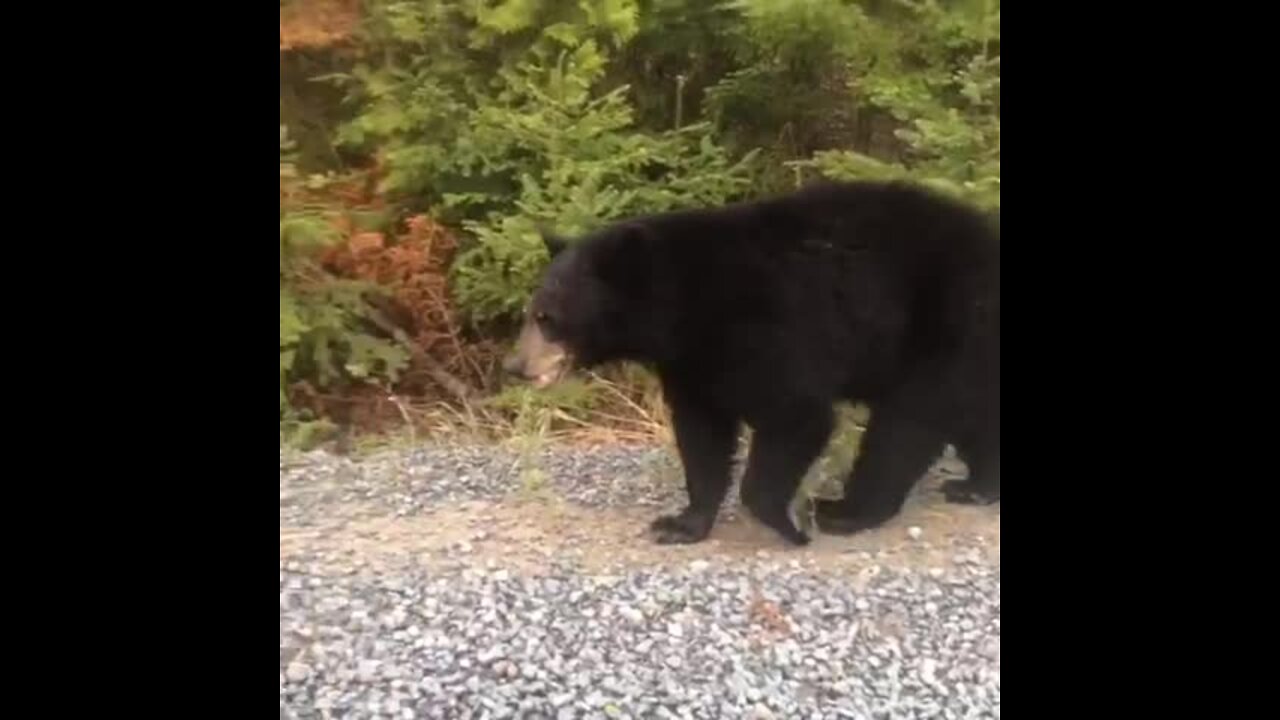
{"points": [[471, 639], [297, 672]]}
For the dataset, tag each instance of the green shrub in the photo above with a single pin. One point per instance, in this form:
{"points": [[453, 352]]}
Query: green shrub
{"points": [[497, 112], [508, 117], [578, 161], [327, 326], [939, 77]]}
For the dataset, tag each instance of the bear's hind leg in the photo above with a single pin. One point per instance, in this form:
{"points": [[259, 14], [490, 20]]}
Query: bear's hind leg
{"points": [[896, 452], [982, 487]]}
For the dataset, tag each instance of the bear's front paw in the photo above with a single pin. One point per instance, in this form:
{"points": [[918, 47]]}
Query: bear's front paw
{"points": [[964, 492], [835, 517], [682, 529], [781, 521]]}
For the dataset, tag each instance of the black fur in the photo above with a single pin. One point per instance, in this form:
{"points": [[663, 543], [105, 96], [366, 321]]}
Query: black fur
{"points": [[769, 312]]}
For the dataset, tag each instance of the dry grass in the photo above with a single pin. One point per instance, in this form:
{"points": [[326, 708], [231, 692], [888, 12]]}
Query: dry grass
{"points": [[617, 414]]}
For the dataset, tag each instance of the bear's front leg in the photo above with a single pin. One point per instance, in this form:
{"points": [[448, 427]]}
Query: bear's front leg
{"points": [[782, 449], [705, 437]]}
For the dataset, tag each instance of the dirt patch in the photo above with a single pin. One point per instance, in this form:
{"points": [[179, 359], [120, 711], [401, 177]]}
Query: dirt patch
{"points": [[527, 534]]}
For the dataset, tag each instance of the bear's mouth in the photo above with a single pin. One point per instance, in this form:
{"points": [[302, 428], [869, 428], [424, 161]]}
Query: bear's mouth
{"points": [[546, 379], [553, 375], [538, 359]]}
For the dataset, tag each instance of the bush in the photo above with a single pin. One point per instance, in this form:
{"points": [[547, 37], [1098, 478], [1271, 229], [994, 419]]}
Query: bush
{"points": [[940, 79], [507, 127], [577, 161], [327, 326], [797, 60], [504, 118]]}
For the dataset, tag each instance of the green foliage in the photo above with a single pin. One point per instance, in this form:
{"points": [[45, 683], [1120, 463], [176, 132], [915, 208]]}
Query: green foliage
{"points": [[433, 64], [506, 127], [577, 161], [567, 23], [508, 117], [304, 434], [570, 395], [533, 414], [796, 59], [326, 324], [941, 82], [825, 478], [682, 47]]}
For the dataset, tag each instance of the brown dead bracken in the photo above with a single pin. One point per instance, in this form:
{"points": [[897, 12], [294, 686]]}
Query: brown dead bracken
{"points": [[317, 23]]}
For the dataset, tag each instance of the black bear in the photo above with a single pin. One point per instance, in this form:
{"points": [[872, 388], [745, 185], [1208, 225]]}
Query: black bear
{"points": [[769, 312]]}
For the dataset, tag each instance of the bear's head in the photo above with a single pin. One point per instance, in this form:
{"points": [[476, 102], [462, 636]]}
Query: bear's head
{"points": [[590, 307]]}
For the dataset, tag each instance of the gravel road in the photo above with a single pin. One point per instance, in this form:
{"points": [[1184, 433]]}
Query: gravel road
{"points": [[453, 583]]}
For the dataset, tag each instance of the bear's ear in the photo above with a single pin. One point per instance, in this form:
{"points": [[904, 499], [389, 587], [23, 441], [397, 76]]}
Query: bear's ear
{"points": [[553, 242]]}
